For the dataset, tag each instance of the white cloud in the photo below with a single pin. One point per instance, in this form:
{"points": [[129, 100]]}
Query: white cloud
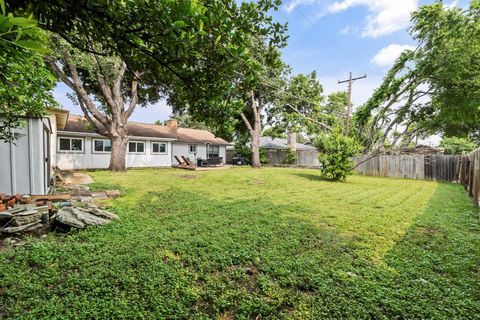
{"points": [[384, 16], [452, 5], [387, 56], [292, 5]]}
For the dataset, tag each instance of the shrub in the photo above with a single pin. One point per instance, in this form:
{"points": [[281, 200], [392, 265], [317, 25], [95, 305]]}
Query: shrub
{"points": [[291, 157], [336, 152], [455, 146], [263, 156]]}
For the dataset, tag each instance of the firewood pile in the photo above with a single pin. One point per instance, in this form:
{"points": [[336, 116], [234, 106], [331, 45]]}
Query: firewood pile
{"points": [[20, 214]]}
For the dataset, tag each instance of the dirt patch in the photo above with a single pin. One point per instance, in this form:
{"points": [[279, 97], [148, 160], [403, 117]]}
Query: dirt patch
{"points": [[428, 230], [259, 181], [186, 176], [77, 178]]}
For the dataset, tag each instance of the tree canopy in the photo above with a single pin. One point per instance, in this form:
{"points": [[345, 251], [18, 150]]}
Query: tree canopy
{"points": [[433, 89], [25, 82]]}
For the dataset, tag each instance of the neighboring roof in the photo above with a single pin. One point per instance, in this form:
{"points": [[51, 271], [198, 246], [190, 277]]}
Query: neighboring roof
{"points": [[278, 143], [78, 124], [422, 149]]}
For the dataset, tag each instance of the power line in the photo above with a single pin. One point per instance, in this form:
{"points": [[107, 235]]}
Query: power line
{"points": [[350, 81]]}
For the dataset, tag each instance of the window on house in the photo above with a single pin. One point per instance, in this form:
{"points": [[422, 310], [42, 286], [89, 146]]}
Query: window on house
{"points": [[159, 147], [70, 144], [192, 148], [213, 151], [102, 145], [136, 147]]}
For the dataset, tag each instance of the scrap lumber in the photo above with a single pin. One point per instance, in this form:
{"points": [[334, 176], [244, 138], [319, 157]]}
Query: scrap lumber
{"points": [[51, 197], [35, 224]]}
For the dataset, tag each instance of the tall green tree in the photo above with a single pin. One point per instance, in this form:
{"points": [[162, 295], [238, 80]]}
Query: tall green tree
{"points": [[185, 48], [25, 82], [106, 90], [298, 106], [456, 146], [252, 90], [433, 89]]}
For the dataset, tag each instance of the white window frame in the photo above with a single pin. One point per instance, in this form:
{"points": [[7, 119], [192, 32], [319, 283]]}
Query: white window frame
{"points": [[208, 150], [192, 145], [70, 151], [136, 152], [93, 146], [157, 142]]}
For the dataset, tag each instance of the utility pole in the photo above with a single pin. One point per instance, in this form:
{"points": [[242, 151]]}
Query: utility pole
{"points": [[350, 81]]}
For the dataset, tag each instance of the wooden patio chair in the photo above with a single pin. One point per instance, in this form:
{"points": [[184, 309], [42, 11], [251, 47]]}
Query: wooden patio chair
{"points": [[188, 161], [180, 162]]}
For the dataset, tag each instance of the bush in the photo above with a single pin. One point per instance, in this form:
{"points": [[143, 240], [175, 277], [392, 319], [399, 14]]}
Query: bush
{"points": [[336, 152], [291, 157], [263, 156], [456, 146]]}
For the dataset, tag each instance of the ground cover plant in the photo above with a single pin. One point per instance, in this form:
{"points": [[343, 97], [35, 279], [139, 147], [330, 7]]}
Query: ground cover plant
{"points": [[256, 244]]}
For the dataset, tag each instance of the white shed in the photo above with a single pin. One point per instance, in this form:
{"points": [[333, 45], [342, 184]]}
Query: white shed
{"points": [[26, 164]]}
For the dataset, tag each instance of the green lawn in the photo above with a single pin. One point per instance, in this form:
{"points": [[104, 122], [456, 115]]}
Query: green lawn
{"points": [[256, 244]]}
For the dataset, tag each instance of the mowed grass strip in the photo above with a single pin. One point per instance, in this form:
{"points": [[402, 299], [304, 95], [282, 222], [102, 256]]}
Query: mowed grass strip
{"points": [[256, 244]]}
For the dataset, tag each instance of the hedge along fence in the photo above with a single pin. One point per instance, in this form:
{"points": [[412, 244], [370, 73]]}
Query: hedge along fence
{"points": [[461, 169]]}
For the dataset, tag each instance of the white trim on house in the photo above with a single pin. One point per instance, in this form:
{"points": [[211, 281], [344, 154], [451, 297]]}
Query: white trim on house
{"points": [[159, 143], [99, 136], [190, 148], [136, 147], [59, 150], [103, 146]]}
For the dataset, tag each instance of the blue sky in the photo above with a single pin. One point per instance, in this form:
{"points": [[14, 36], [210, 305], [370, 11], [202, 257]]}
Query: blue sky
{"points": [[332, 37]]}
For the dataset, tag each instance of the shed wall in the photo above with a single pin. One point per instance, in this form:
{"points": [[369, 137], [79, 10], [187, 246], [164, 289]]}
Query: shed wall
{"points": [[22, 163]]}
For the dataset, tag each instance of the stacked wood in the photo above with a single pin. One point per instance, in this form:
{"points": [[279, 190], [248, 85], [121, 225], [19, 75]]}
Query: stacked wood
{"points": [[29, 217], [80, 217]]}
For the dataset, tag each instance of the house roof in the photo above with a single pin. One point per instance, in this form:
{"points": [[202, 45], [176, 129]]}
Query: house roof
{"points": [[278, 143], [78, 124]]}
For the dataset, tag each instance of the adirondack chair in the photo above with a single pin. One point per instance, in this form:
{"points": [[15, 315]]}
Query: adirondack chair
{"points": [[188, 161], [180, 162]]}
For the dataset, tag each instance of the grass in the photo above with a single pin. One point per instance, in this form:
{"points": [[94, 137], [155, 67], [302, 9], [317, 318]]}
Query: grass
{"points": [[256, 244]]}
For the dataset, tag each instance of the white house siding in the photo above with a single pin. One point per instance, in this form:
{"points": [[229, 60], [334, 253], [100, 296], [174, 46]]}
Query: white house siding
{"points": [[182, 149], [23, 166], [89, 159]]}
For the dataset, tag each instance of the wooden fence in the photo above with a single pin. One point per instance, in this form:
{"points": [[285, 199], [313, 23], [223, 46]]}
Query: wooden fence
{"points": [[468, 174], [422, 167], [461, 169], [305, 159]]}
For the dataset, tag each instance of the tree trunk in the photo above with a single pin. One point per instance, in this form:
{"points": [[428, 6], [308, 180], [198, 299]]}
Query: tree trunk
{"points": [[118, 153], [255, 147], [255, 130]]}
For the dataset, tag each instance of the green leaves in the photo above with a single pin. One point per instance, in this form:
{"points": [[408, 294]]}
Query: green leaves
{"points": [[335, 155], [33, 45]]}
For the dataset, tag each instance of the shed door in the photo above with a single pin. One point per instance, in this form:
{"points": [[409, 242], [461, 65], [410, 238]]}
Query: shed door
{"points": [[46, 158]]}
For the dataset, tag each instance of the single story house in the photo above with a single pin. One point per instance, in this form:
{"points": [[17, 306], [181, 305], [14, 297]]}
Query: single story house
{"points": [[269, 143], [69, 143], [276, 150]]}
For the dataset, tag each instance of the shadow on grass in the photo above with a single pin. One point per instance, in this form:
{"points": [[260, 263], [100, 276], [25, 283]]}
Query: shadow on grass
{"points": [[180, 254], [437, 260], [312, 177]]}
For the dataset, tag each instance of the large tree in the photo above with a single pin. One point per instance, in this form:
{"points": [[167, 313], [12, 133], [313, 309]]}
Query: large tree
{"points": [[189, 46], [299, 107], [106, 90], [433, 89], [252, 89]]}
